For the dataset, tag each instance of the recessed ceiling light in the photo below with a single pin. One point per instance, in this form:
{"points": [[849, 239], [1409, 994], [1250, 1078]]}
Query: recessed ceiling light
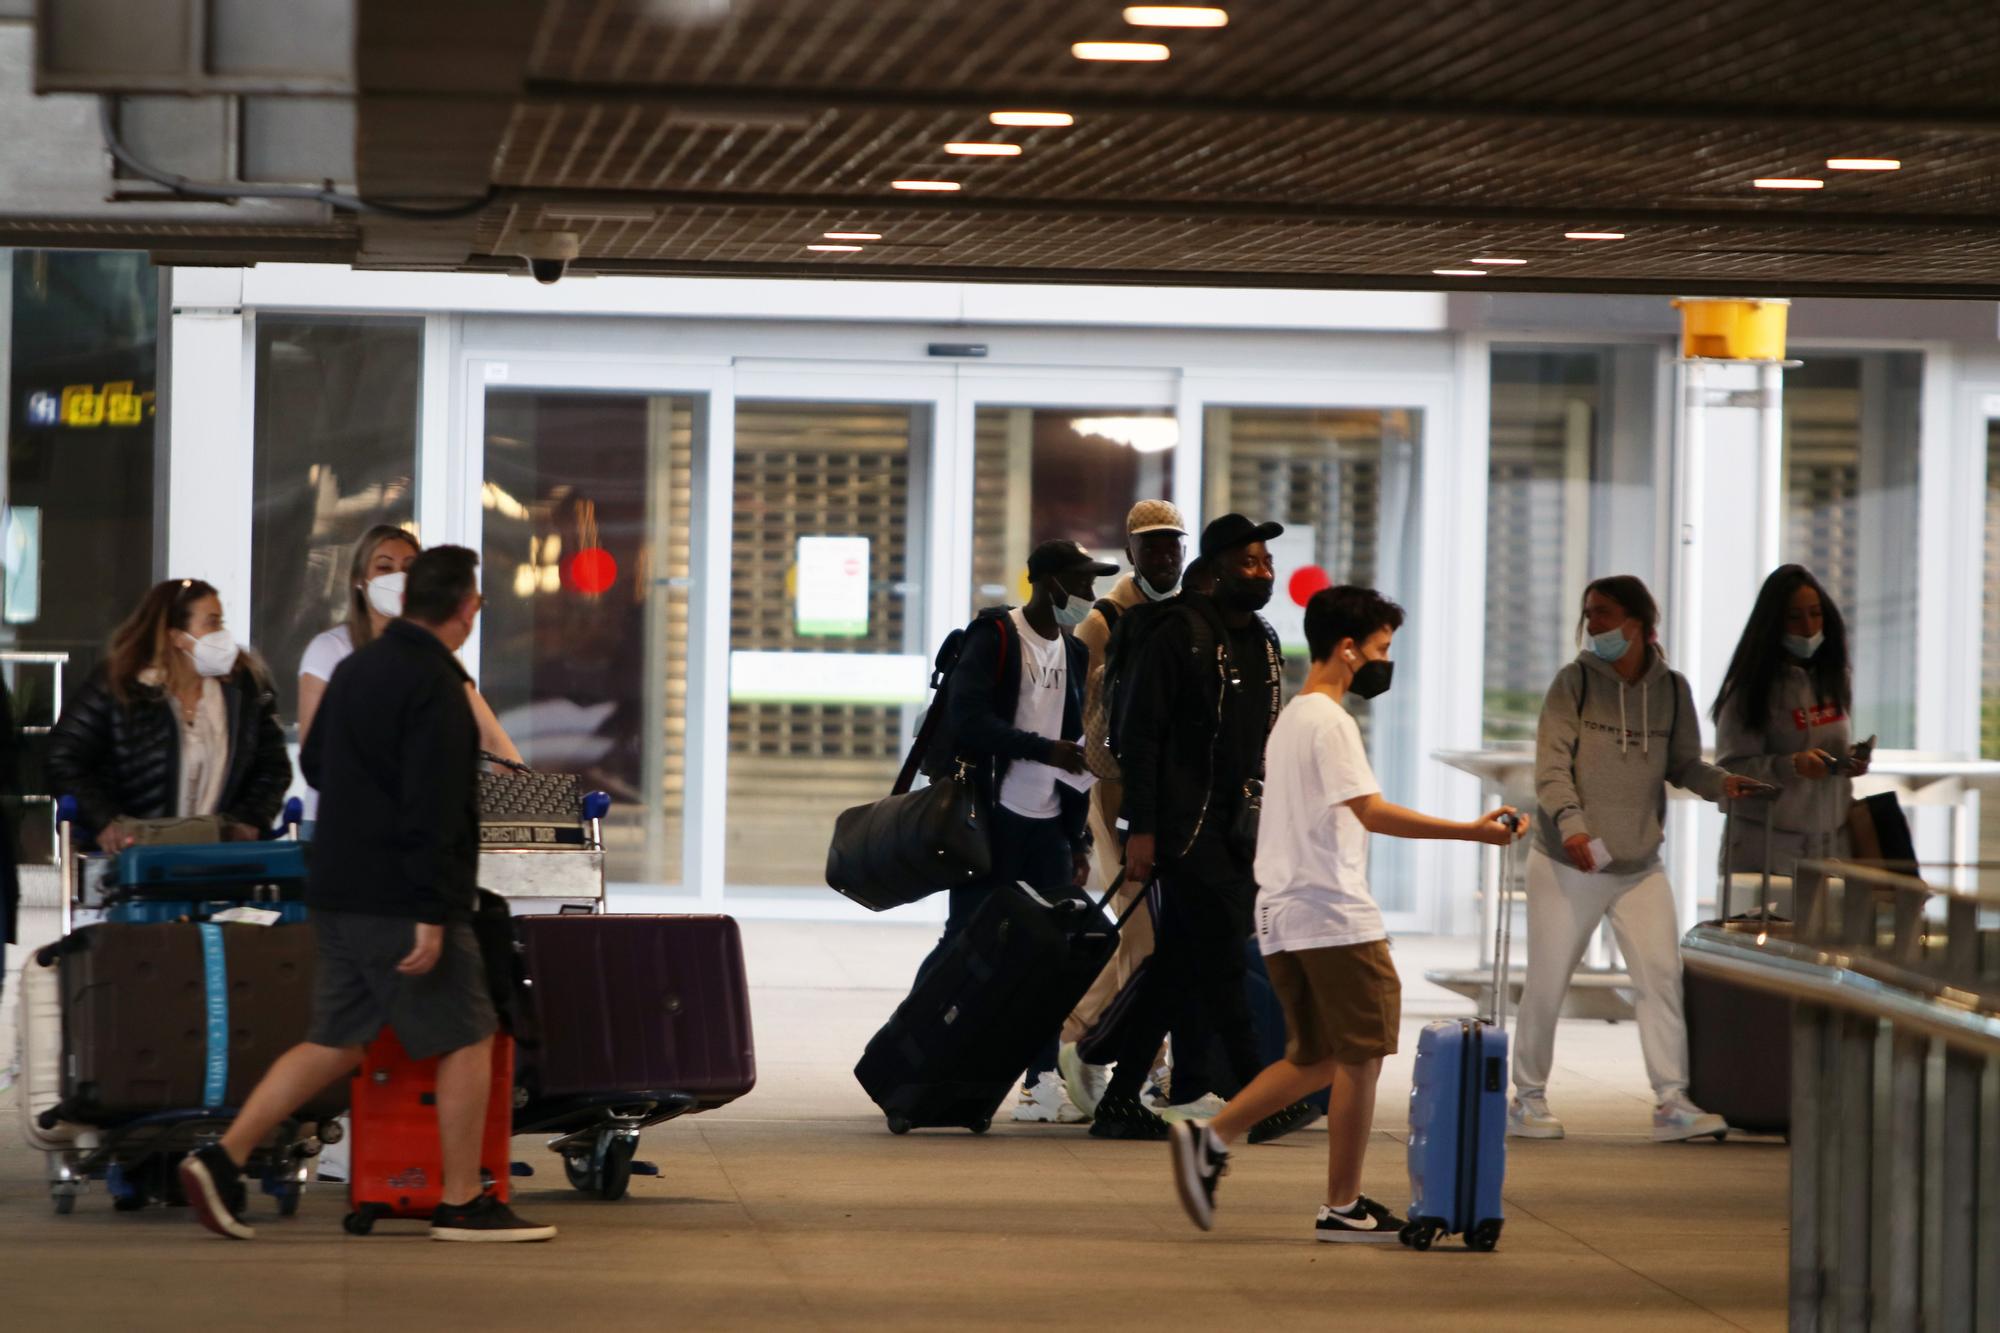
{"points": [[1119, 51], [835, 249], [1176, 16], [984, 149], [1056, 118], [1788, 183], [1593, 236], [1863, 164], [1460, 272], [924, 185], [1499, 261], [853, 235]]}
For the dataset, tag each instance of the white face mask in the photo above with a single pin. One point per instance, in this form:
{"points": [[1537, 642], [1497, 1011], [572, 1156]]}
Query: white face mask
{"points": [[1073, 610], [385, 594], [214, 654], [1153, 594]]}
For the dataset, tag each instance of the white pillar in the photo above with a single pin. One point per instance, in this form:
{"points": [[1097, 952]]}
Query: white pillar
{"points": [[210, 449]]}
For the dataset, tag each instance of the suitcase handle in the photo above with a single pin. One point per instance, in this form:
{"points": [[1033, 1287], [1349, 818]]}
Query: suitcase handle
{"points": [[1503, 929]]}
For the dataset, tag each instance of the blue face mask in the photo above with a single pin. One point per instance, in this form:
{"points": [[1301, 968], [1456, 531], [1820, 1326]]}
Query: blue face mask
{"points": [[1153, 594], [1612, 645], [1803, 648], [1071, 611]]}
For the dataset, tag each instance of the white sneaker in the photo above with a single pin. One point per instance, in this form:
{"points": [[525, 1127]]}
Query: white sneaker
{"points": [[1084, 1082], [1157, 1095], [1529, 1118], [1677, 1119], [1046, 1102], [1204, 1108]]}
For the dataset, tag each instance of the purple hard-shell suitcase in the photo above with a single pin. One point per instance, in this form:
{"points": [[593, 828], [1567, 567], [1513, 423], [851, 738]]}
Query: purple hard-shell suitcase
{"points": [[638, 1004]]}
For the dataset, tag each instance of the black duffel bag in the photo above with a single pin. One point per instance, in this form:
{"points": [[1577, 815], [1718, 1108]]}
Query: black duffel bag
{"points": [[911, 844]]}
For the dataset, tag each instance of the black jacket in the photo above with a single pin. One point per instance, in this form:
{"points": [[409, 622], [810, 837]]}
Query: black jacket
{"points": [[1167, 750], [125, 759], [394, 755], [985, 689]]}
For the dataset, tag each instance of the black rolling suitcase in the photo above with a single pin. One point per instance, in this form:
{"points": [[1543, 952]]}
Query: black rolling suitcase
{"points": [[949, 1054], [1739, 1038]]}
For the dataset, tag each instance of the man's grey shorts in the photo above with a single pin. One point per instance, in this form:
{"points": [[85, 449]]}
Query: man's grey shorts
{"points": [[359, 991]]}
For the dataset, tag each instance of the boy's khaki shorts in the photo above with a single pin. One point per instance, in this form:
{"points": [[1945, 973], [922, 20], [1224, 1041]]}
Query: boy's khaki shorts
{"points": [[1343, 1003]]}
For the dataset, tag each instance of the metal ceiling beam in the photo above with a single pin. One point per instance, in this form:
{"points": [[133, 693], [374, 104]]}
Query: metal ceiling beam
{"points": [[1776, 216], [1763, 286], [709, 100]]}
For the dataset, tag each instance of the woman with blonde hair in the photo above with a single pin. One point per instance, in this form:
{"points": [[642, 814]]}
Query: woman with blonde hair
{"points": [[177, 721], [375, 577]]}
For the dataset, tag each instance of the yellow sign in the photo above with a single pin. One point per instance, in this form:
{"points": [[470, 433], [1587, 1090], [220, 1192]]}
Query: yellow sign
{"points": [[85, 406]]}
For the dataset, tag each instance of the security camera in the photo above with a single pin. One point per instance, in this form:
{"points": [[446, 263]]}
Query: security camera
{"points": [[548, 253]]}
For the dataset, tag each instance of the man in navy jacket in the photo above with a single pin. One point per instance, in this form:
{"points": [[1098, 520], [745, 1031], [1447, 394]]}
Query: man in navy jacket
{"points": [[1015, 705]]}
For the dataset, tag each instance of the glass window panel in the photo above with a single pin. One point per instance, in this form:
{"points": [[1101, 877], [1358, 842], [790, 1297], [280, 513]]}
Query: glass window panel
{"points": [[811, 644], [1344, 482], [1851, 451], [583, 645], [1989, 645], [1042, 472], [336, 448]]}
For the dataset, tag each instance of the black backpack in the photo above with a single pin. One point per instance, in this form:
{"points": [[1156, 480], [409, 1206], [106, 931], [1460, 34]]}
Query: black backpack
{"points": [[936, 747], [1122, 653]]}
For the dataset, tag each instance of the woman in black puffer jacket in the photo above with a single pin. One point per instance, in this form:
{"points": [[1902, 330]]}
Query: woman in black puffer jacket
{"points": [[177, 721]]}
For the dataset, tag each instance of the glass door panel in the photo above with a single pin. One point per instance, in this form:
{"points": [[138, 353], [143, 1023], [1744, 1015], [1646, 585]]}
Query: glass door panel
{"points": [[583, 643], [828, 664], [1344, 483]]}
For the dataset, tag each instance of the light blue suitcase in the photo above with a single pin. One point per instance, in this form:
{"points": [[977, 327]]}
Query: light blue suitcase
{"points": [[1458, 1116]]}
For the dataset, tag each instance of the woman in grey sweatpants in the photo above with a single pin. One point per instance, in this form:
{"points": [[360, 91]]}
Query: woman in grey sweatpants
{"points": [[1617, 726], [1781, 717]]}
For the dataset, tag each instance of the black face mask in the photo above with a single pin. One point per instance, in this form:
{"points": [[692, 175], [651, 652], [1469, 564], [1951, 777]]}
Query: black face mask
{"points": [[1244, 595], [1372, 678]]}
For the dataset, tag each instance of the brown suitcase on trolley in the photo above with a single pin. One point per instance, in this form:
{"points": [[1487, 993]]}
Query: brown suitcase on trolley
{"points": [[1740, 1038], [180, 1016]]}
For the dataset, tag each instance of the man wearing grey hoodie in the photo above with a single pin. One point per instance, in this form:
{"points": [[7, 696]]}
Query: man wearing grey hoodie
{"points": [[1617, 726]]}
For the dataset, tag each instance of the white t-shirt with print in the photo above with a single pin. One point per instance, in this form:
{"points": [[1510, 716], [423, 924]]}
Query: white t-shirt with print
{"points": [[1030, 787], [1312, 852]]}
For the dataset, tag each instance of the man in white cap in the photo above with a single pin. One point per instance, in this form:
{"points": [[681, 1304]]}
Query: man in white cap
{"points": [[1155, 546]]}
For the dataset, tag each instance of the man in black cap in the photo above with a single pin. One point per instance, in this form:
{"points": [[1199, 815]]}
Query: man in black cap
{"points": [[1015, 706], [1208, 688]]}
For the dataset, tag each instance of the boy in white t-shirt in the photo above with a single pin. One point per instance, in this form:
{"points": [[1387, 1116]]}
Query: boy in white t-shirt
{"points": [[1317, 923]]}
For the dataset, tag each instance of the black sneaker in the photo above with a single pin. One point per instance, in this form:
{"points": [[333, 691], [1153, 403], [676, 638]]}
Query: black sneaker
{"points": [[1280, 1123], [1198, 1165], [1366, 1220], [215, 1190], [485, 1219], [1124, 1118]]}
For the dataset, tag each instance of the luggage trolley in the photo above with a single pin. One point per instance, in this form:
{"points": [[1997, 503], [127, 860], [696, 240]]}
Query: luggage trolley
{"points": [[136, 1158], [542, 849]]}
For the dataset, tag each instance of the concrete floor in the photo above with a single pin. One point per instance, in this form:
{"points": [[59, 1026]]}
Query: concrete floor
{"points": [[795, 1209]]}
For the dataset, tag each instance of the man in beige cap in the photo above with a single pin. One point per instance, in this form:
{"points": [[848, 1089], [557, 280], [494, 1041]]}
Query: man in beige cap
{"points": [[1155, 544]]}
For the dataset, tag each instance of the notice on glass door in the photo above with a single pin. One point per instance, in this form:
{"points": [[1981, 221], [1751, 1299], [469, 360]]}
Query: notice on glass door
{"points": [[831, 597]]}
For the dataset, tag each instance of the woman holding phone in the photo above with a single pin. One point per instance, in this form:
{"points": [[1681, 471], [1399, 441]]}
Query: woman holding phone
{"points": [[1617, 727], [1781, 717]]}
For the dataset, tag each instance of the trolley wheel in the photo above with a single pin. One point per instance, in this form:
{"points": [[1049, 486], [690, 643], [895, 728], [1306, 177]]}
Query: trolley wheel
{"points": [[1484, 1236], [898, 1124], [615, 1177], [981, 1125], [577, 1167], [127, 1203], [358, 1223], [288, 1202], [1418, 1235], [65, 1204]]}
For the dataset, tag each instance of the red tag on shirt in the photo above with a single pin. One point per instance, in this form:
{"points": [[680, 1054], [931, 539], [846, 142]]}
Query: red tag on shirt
{"points": [[1822, 715]]}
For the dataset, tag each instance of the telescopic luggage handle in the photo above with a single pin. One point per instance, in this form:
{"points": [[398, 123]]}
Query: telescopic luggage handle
{"points": [[1767, 793], [1503, 932]]}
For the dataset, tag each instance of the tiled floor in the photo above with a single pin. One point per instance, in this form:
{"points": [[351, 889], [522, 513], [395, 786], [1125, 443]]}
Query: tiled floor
{"points": [[794, 1208]]}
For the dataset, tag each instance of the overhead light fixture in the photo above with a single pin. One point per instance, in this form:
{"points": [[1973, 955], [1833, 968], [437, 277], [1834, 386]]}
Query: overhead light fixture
{"points": [[1788, 183], [853, 235], [835, 249], [1499, 261], [1863, 164], [1142, 435], [945, 186], [1057, 119], [1176, 16], [1460, 272], [1119, 51], [1593, 236], [984, 149]]}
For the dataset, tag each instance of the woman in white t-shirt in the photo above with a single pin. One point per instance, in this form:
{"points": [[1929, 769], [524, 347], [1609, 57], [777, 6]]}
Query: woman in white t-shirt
{"points": [[375, 597]]}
